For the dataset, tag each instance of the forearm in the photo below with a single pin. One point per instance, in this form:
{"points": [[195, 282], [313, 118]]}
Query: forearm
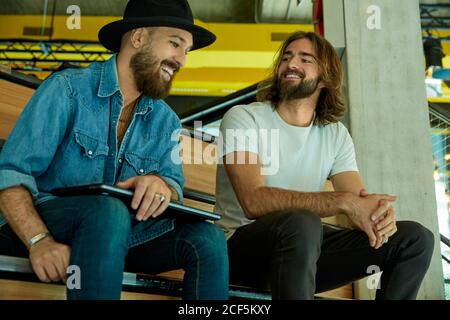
{"points": [[266, 200], [18, 209], [174, 195]]}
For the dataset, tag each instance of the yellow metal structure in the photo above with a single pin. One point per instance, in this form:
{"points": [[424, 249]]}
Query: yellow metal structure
{"points": [[239, 58]]}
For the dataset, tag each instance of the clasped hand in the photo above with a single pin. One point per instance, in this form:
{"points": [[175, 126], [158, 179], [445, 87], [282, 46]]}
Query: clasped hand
{"points": [[373, 214]]}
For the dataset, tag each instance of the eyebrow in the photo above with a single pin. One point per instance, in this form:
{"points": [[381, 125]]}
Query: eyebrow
{"points": [[301, 53], [181, 39]]}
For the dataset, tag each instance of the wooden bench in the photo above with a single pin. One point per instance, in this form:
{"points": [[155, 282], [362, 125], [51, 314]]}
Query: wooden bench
{"points": [[18, 280]]}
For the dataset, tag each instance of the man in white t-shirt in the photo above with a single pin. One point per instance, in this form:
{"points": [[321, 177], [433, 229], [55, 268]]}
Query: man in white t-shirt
{"points": [[277, 155]]}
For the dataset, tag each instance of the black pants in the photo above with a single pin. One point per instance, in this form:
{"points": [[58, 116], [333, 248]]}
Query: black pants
{"points": [[295, 255]]}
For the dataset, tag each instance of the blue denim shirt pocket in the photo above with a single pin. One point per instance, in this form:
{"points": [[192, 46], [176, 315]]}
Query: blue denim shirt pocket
{"points": [[138, 166], [85, 153], [91, 146]]}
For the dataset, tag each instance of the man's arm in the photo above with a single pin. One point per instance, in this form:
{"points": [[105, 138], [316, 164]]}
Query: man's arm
{"points": [[49, 259], [258, 200], [349, 181], [26, 155], [17, 207], [383, 217]]}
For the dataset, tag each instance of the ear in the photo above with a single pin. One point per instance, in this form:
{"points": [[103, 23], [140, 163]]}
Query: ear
{"points": [[321, 85], [137, 38]]}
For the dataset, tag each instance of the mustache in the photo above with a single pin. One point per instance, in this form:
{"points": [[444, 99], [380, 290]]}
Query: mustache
{"points": [[174, 65], [297, 73]]}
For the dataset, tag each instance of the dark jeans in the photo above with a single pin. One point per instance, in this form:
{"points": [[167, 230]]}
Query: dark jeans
{"points": [[295, 255], [98, 229]]}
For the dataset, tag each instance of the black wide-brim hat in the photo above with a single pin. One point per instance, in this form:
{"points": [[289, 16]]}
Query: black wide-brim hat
{"points": [[155, 13]]}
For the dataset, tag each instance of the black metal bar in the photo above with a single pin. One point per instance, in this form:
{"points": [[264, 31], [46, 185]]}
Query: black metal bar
{"points": [[436, 26], [201, 114], [443, 39], [195, 134], [54, 51], [55, 41], [445, 240], [435, 6], [34, 59], [445, 258], [36, 69], [87, 55], [211, 111], [435, 18], [199, 196], [21, 79]]}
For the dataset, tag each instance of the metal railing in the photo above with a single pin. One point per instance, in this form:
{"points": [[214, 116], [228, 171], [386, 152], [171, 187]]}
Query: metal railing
{"points": [[440, 132]]}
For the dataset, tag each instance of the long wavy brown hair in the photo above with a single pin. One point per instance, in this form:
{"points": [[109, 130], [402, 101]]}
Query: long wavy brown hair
{"points": [[330, 106]]}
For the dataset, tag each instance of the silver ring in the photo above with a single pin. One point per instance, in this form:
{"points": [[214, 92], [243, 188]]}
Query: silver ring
{"points": [[161, 197], [386, 239]]}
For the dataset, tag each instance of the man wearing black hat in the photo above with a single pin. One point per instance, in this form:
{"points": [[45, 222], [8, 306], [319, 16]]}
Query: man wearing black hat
{"points": [[107, 124]]}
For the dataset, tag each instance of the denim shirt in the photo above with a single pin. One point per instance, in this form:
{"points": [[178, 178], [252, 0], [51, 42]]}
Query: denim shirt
{"points": [[66, 136]]}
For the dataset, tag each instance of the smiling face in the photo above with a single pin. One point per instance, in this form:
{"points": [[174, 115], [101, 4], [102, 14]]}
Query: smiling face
{"points": [[155, 65], [298, 71]]}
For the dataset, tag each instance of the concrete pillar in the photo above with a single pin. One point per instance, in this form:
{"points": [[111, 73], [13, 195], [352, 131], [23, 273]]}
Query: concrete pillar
{"points": [[388, 111]]}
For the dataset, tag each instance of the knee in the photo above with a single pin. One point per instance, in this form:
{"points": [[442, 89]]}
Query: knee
{"points": [[210, 240], [106, 208], [299, 226], [418, 237], [205, 241], [108, 215]]}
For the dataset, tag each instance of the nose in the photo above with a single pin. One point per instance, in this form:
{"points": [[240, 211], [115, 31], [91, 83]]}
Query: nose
{"points": [[181, 58], [292, 64]]}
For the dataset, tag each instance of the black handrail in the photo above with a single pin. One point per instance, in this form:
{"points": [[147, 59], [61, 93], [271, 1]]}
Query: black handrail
{"points": [[199, 196], [445, 240], [215, 109], [20, 78], [434, 6], [195, 134]]}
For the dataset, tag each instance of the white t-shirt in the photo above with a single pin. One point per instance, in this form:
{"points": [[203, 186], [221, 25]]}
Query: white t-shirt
{"points": [[294, 158]]}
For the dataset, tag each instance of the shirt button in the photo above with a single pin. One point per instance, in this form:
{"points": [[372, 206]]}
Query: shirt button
{"points": [[90, 152], [141, 170], [120, 160]]}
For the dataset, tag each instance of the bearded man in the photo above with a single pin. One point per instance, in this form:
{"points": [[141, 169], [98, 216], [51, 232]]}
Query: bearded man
{"points": [[276, 239], [108, 124]]}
